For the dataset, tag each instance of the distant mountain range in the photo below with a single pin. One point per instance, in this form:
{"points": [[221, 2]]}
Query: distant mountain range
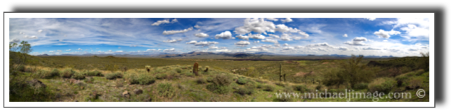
{"points": [[220, 55]]}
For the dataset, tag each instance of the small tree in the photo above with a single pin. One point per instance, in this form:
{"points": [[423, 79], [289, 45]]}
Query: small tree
{"points": [[13, 46], [424, 63], [350, 72], [25, 48]]}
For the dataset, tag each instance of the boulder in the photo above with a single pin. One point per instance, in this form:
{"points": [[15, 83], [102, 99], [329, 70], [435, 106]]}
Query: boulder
{"points": [[36, 83], [138, 91], [126, 94]]}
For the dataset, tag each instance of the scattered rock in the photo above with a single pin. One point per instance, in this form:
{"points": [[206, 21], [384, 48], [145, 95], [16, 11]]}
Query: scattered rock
{"points": [[36, 83], [138, 91], [72, 81], [126, 94]]}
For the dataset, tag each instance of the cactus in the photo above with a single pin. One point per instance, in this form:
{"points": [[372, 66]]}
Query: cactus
{"points": [[124, 68], [195, 70], [206, 69], [280, 71], [148, 68]]}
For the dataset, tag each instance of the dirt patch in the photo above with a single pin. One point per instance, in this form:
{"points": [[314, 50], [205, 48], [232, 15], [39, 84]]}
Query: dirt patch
{"points": [[325, 63], [299, 74], [302, 74]]}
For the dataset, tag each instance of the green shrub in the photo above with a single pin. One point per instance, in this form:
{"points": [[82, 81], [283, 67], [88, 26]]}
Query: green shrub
{"points": [[67, 73], [244, 91], [359, 86], [55, 72], [268, 88], [158, 70], [14, 73], [114, 75], [218, 88], [94, 73], [351, 72], [173, 76], [241, 81], [280, 84], [414, 82], [161, 76], [283, 99], [382, 85], [142, 79], [300, 88], [209, 79], [28, 69], [222, 80], [258, 85], [405, 69], [21, 68], [79, 76], [166, 90], [288, 89], [48, 75], [178, 70], [89, 80], [318, 87], [201, 81], [189, 74]]}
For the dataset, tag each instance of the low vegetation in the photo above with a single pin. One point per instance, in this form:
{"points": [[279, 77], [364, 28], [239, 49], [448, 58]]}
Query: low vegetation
{"points": [[117, 79]]}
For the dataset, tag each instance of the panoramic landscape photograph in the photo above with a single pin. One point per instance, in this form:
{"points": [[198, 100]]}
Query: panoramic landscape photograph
{"points": [[218, 59]]}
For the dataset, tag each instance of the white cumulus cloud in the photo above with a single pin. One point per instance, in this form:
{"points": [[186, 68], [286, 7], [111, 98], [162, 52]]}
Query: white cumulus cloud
{"points": [[287, 20], [160, 22], [201, 35], [256, 36], [270, 40], [192, 42], [286, 37], [242, 43], [386, 34], [243, 37], [371, 19], [273, 35], [202, 43], [176, 31], [224, 35], [174, 20], [284, 28], [414, 31], [255, 25], [172, 40], [197, 26], [273, 19], [14, 40], [358, 41]]}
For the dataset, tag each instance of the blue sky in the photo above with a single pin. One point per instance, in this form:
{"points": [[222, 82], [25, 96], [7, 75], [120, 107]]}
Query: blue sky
{"points": [[319, 36]]}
